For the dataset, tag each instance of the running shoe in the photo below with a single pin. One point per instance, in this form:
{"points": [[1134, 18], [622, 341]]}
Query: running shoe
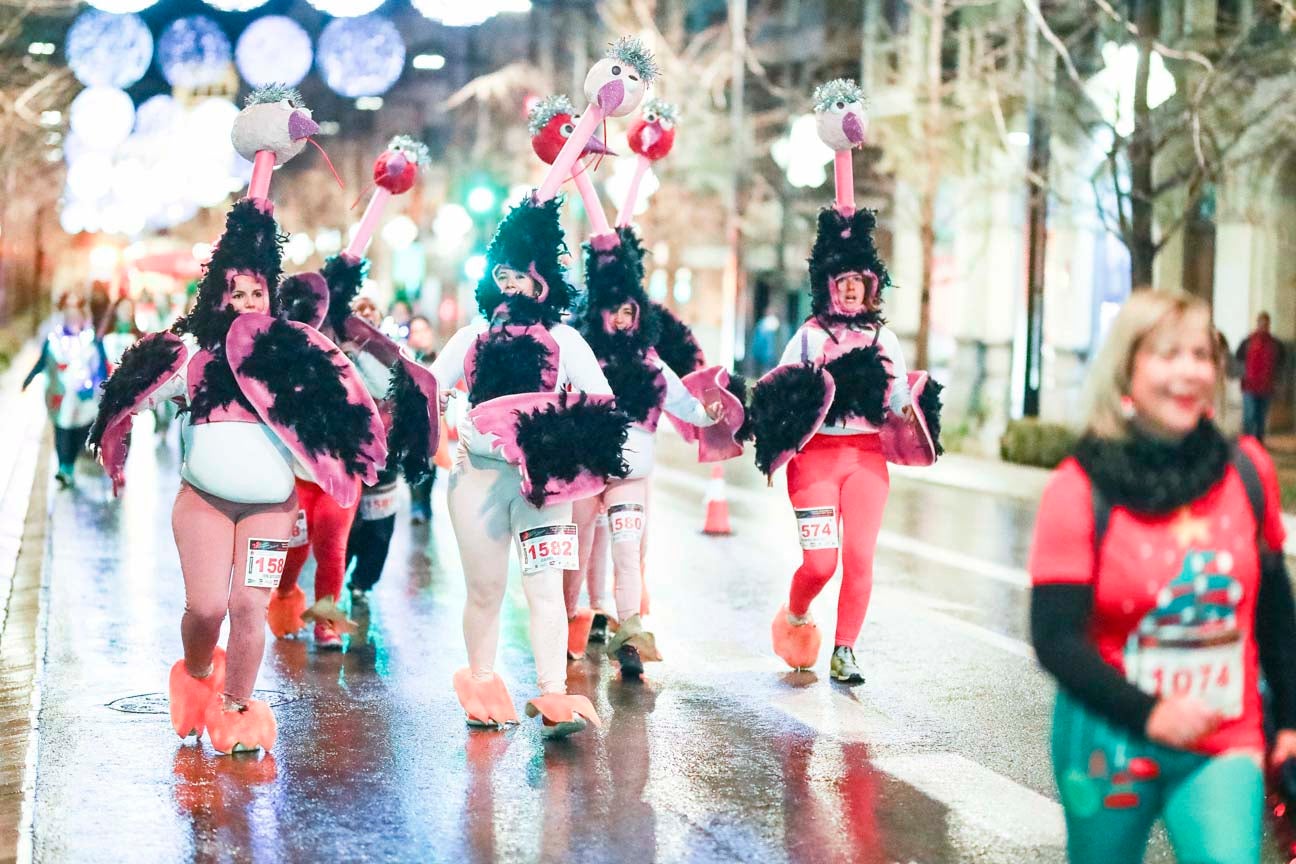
{"points": [[599, 629], [327, 637], [631, 663], [844, 667]]}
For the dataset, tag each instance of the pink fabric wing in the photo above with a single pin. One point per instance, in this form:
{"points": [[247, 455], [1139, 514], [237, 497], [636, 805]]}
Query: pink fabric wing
{"points": [[499, 417], [330, 472], [830, 390], [113, 445], [371, 340], [905, 442], [716, 442]]}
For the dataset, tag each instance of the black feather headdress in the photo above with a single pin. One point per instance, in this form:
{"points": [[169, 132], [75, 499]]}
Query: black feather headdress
{"points": [[530, 238]]}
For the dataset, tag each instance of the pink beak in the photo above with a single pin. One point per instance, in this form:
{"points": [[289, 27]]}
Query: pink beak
{"points": [[853, 129], [651, 135], [396, 165], [610, 96], [595, 145], [301, 126]]}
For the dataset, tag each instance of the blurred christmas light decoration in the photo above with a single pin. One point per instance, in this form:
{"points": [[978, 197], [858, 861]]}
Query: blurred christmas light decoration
{"points": [[108, 50], [475, 267], [193, 52], [209, 124], [802, 154], [481, 199], [346, 8], [360, 56], [452, 224], [235, 5], [1112, 89], [458, 13], [618, 184], [159, 116], [299, 248], [274, 50], [102, 116], [428, 62], [400, 233], [328, 241], [122, 7]]}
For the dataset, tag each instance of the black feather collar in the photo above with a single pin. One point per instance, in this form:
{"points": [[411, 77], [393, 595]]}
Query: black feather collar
{"points": [[1152, 476]]}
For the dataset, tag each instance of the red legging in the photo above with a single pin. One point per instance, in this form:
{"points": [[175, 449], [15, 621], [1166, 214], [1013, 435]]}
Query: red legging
{"points": [[327, 528], [848, 473]]}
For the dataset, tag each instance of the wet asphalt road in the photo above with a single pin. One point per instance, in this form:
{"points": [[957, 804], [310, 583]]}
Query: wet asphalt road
{"points": [[722, 754]]}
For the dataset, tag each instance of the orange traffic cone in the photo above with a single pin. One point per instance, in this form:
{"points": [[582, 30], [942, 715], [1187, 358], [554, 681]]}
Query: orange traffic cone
{"points": [[717, 504]]}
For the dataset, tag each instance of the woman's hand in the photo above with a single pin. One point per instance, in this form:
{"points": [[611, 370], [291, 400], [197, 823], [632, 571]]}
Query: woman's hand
{"points": [[715, 410], [1284, 747], [444, 398], [907, 412], [1181, 722]]}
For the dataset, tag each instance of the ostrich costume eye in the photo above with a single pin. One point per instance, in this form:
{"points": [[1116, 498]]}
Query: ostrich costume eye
{"points": [[839, 114], [273, 121], [568, 129], [618, 82]]}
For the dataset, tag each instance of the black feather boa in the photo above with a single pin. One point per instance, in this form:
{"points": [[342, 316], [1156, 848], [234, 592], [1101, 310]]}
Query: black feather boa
{"points": [[308, 394], [741, 390], [1152, 476], [929, 403], [297, 300], [636, 383], [409, 435], [620, 343], [507, 364], [862, 380], [251, 242], [782, 410], [141, 365], [345, 275], [676, 345], [560, 441], [530, 235], [217, 388]]}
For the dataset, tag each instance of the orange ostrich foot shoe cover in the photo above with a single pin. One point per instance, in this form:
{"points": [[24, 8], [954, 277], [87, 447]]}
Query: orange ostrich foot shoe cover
{"points": [[487, 703], [578, 631], [191, 696], [798, 645], [285, 613], [251, 728], [563, 714]]}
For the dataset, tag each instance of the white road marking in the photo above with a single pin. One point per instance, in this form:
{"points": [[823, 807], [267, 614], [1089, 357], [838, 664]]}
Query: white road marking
{"points": [[980, 800]]}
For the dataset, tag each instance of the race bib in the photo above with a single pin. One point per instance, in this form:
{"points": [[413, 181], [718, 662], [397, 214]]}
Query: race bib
{"points": [[299, 536], [378, 505], [265, 562], [626, 522], [601, 521], [548, 546], [1209, 670], [817, 527]]}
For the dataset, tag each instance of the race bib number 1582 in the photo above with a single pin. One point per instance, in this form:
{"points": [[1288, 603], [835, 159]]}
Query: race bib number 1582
{"points": [[548, 546]]}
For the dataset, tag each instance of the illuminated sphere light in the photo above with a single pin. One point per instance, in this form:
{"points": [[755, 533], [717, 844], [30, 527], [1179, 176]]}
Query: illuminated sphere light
{"points": [[208, 126], [235, 5], [91, 177], [158, 116], [475, 267], [452, 223], [360, 56], [346, 8], [400, 232], [456, 13], [108, 50], [122, 7], [274, 50], [103, 115], [193, 51]]}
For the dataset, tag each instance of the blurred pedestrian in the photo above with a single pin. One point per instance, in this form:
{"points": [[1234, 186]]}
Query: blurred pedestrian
{"points": [[119, 331], [1159, 594], [1262, 357], [74, 365], [766, 339], [421, 341], [397, 323]]}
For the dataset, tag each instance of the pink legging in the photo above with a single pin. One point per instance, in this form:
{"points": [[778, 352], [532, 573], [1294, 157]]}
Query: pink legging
{"points": [[488, 511], [212, 535], [327, 529], [848, 473], [627, 572]]}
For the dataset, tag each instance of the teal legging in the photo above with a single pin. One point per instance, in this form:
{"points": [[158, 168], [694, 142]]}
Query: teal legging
{"points": [[1114, 784]]}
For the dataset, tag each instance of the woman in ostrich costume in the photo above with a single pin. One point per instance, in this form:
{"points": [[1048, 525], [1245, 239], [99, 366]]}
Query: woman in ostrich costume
{"points": [[324, 301], [839, 407], [621, 326], [263, 395]]}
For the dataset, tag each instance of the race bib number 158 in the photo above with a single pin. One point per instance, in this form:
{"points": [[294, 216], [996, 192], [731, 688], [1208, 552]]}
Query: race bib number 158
{"points": [[265, 562]]}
